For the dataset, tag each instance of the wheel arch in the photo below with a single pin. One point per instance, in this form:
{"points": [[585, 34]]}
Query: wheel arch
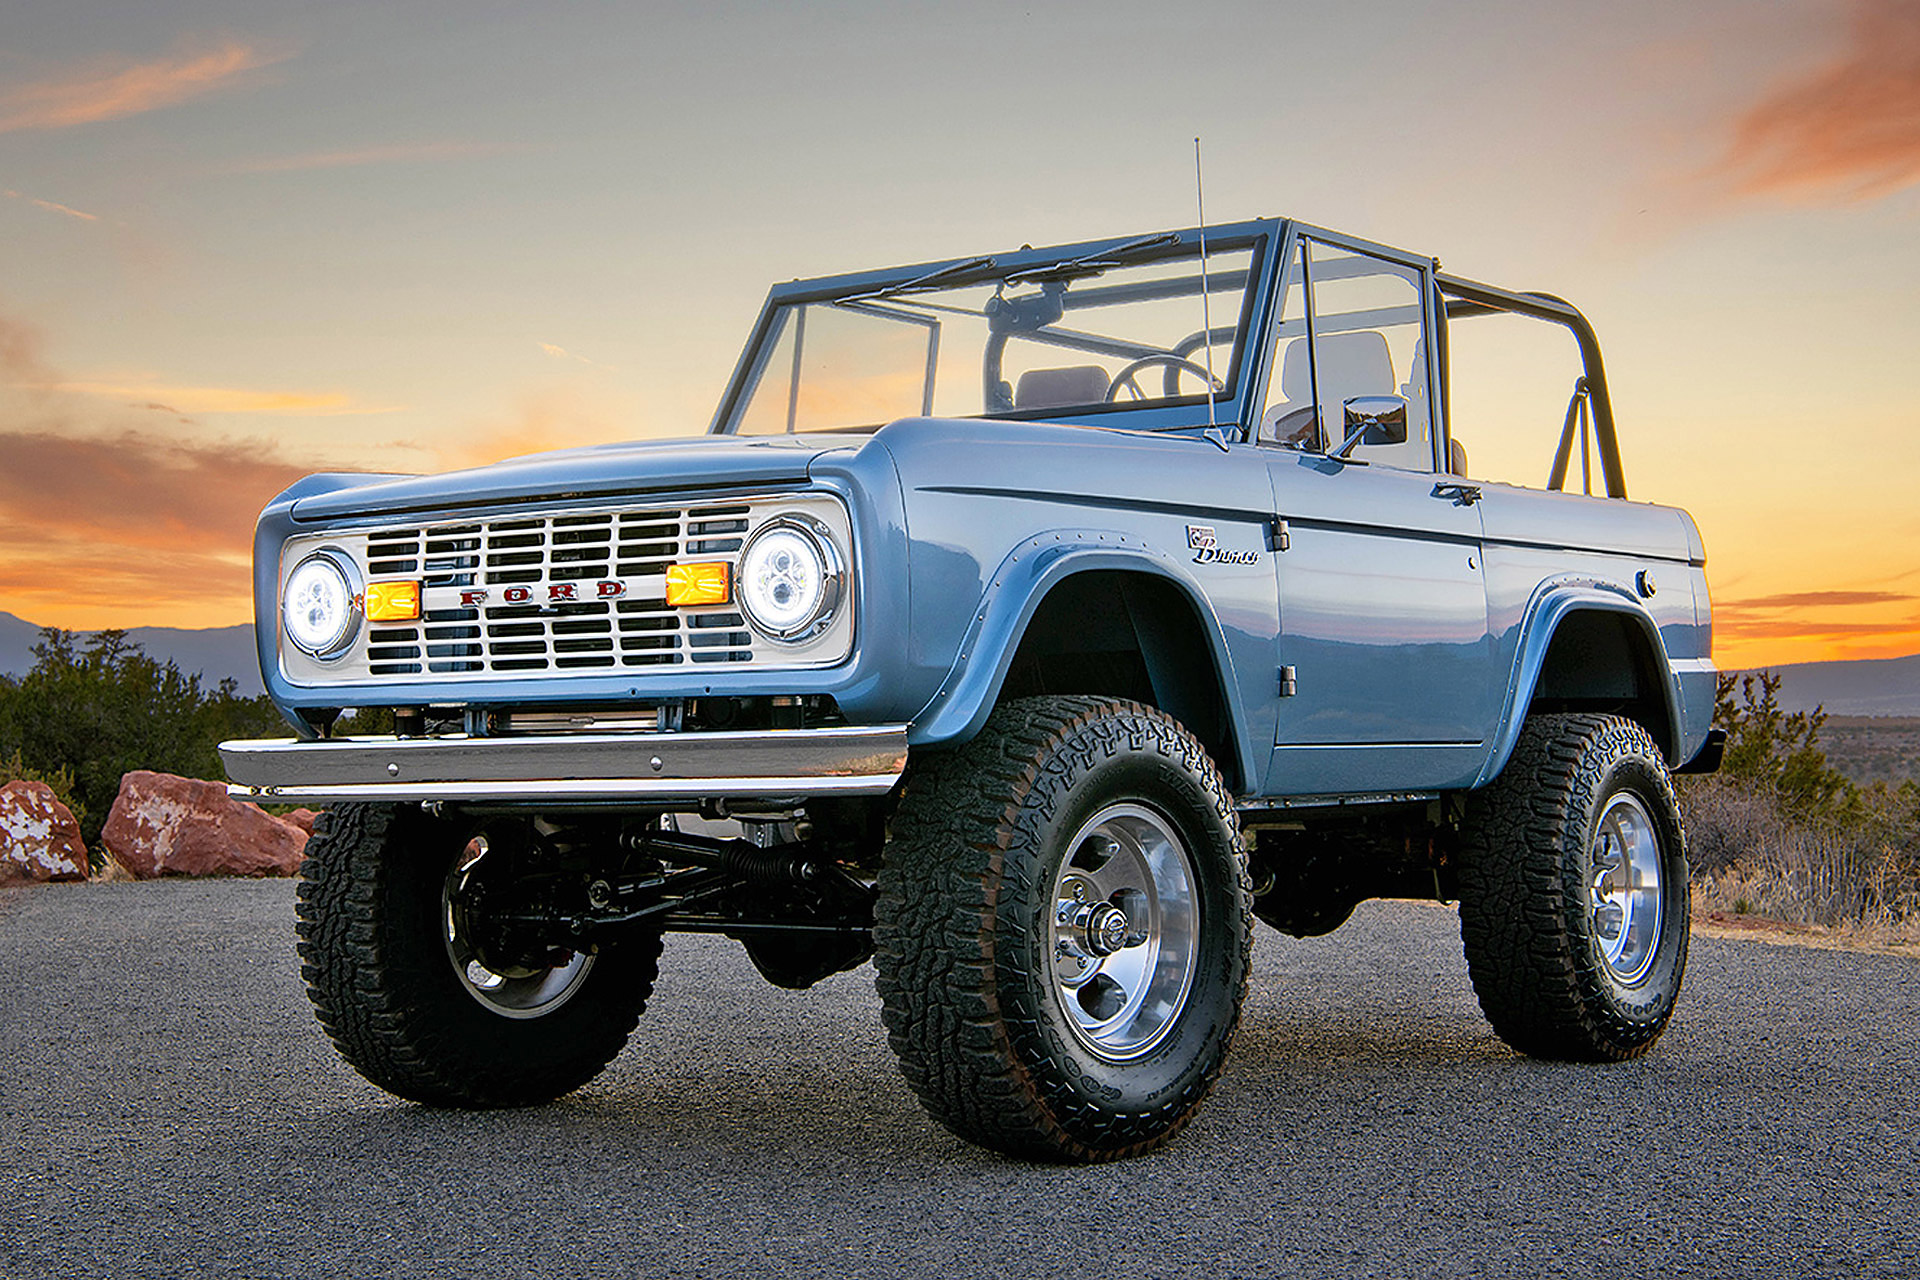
{"points": [[1589, 648], [1163, 645]]}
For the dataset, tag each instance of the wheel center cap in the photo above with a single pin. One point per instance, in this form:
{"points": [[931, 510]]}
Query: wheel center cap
{"points": [[1106, 929]]}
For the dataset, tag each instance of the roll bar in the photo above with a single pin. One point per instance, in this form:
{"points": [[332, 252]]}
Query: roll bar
{"points": [[1470, 298]]}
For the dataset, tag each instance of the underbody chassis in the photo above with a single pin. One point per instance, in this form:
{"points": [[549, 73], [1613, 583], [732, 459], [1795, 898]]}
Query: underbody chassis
{"points": [[623, 840], [533, 889]]}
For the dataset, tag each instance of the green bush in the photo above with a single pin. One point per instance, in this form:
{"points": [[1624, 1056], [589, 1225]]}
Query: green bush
{"points": [[90, 714], [1773, 751]]}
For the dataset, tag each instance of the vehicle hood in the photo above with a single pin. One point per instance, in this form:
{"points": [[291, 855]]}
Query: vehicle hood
{"points": [[649, 466]]}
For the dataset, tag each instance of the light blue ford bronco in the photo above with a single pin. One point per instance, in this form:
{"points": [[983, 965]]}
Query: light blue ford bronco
{"points": [[1028, 623]]}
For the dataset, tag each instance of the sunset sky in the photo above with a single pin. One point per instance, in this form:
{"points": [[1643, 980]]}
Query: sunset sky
{"points": [[243, 241]]}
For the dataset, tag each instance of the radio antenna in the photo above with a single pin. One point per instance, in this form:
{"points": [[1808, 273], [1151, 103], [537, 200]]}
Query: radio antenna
{"points": [[1206, 310]]}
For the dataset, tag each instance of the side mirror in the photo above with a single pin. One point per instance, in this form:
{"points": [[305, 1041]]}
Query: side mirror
{"points": [[1374, 420]]}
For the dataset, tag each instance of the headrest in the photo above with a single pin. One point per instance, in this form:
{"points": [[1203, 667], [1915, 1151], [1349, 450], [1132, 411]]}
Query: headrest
{"points": [[1057, 388], [1351, 364]]}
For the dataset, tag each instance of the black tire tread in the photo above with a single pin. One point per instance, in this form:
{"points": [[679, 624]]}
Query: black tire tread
{"points": [[388, 1013], [1521, 897], [963, 1054]]}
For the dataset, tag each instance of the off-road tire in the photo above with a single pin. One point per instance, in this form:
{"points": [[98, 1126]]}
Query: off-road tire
{"points": [[1536, 953], [376, 964], [964, 952]]}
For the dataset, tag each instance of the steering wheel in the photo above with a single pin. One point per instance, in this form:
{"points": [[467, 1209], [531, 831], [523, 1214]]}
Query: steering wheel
{"points": [[1126, 376]]}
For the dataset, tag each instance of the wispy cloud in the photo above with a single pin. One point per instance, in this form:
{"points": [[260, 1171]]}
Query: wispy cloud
{"points": [[213, 400], [1847, 131], [401, 153], [1817, 600], [113, 88], [1814, 615], [52, 207], [155, 407], [561, 353], [20, 356], [1807, 627]]}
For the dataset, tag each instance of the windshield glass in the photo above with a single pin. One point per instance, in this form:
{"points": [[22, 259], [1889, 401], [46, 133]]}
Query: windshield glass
{"points": [[1091, 333]]}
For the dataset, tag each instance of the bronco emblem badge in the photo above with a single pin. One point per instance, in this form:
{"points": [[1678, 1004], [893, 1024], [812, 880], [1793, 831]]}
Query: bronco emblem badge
{"points": [[1206, 548]]}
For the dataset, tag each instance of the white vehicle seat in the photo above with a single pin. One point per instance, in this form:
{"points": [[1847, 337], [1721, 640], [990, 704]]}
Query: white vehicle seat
{"points": [[1351, 364], [1058, 388]]}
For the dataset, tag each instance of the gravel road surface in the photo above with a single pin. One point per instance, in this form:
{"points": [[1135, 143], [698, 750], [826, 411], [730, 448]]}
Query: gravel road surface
{"points": [[170, 1108]]}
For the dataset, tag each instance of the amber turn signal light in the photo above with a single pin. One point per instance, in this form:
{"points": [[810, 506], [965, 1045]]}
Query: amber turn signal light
{"points": [[393, 601], [708, 583]]}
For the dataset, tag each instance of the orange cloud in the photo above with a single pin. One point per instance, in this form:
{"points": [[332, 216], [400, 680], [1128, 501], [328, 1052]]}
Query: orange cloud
{"points": [[105, 523], [131, 490], [1757, 637], [1819, 625], [117, 531], [1813, 600], [20, 356], [112, 89], [1849, 130], [1741, 627], [69, 582], [1833, 616]]}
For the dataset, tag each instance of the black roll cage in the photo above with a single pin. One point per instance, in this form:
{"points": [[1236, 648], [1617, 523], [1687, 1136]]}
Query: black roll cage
{"points": [[1463, 298], [1451, 297]]}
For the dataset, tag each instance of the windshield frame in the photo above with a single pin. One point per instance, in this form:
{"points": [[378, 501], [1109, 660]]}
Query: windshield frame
{"points": [[896, 285]]}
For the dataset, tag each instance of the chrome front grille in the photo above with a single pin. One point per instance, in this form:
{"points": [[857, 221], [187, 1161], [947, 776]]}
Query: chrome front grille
{"points": [[497, 637], [558, 593]]}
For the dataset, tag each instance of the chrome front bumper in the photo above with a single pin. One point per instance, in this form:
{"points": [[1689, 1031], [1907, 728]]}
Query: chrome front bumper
{"points": [[572, 769]]}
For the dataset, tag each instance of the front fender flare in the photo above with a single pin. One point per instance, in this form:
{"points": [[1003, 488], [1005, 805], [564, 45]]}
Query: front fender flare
{"points": [[972, 684]]}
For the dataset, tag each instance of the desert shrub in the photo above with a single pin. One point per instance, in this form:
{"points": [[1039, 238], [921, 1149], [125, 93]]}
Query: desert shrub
{"points": [[1755, 858], [93, 713], [1726, 822], [1779, 833], [1773, 751]]}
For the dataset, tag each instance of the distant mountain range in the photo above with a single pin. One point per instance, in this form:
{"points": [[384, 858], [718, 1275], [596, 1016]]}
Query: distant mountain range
{"points": [[213, 652], [1883, 687], [1869, 687]]}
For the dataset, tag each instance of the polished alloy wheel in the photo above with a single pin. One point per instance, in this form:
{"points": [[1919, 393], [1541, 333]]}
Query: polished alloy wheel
{"points": [[1125, 931], [510, 990], [1626, 896]]}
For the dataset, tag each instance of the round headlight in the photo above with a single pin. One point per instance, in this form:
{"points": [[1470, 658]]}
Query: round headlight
{"points": [[790, 578], [320, 607]]}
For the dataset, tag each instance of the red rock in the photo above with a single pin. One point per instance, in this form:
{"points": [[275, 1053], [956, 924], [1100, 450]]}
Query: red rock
{"points": [[301, 818], [163, 825], [39, 840]]}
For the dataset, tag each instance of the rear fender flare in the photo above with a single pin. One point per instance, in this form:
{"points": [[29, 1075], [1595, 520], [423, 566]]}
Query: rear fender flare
{"points": [[1552, 604]]}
